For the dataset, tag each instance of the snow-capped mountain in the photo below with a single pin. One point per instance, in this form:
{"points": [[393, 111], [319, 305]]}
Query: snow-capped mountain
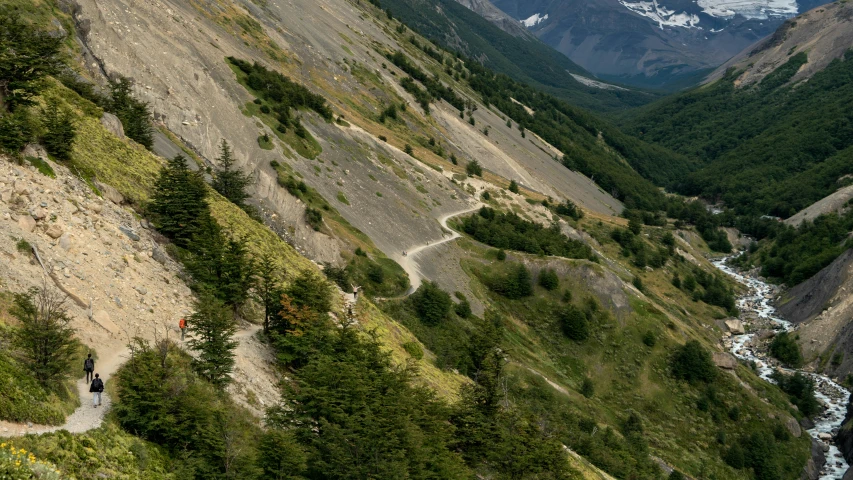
{"points": [[651, 42]]}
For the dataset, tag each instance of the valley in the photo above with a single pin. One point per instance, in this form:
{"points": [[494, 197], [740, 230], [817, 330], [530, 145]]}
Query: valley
{"points": [[411, 241]]}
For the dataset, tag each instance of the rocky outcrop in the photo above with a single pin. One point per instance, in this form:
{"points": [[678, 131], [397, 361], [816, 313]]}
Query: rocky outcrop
{"points": [[815, 463], [735, 326], [112, 124], [844, 438], [726, 361]]}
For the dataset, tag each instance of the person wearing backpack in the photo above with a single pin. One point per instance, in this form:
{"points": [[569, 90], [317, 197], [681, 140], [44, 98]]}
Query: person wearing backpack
{"points": [[96, 388], [183, 326], [89, 367]]}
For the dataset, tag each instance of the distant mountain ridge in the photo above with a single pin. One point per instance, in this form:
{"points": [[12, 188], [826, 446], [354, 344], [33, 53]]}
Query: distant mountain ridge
{"points": [[651, 44]]}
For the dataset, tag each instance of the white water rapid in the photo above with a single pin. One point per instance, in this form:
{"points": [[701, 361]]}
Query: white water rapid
{"points": [[833, 396]]}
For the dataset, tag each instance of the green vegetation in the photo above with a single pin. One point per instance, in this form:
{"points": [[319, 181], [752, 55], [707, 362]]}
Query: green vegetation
{"points": [[228, 180], [785, 348], [59, 130], [509, 231], [455, 27], [693, 363], [211, 327], [434, 88], [769, 149], [801, 390], [134, 114]]}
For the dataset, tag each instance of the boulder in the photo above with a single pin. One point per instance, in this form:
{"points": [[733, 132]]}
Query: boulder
{"points": [[793, 427], [112, 124], [130, 233], [65, 242], [735, 326], [54, 231], [110, 193], [725, 360], [6, 196], [159, 256], [27, 223], [35, 150], [21, 187]]}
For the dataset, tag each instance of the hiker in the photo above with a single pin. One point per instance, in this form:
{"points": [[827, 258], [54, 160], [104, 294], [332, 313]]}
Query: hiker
{"points": [[95, 389], [183, 326], [89, 367], [354, 293]]}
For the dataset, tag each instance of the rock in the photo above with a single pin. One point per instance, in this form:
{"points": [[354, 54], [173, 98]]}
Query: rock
{"points": [[110, 193], [130, 233], [27, 223], [58, 31], [103, 319], [735, 326], [159, 256], [806, 423], [811, 471], [118, 302], [20, 188], [65, 242], [144, 224], [6, 196], [35, 150], [112, 124], [54, 231], [39, 213], [725, 360], [793, 427], [29, 424], [141, 290], [824, 436], [97, 207]]}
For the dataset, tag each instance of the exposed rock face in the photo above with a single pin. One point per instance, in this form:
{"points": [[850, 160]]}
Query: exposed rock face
{"points": [[825, 33], [844, 439], [817, 460], [35, 150]]}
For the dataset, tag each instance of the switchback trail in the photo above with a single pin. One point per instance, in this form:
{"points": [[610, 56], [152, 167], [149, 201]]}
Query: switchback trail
{"points": [[410, 264]]}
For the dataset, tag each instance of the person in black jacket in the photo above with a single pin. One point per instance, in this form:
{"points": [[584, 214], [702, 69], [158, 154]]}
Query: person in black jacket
{"points": [[96, 388], [89, 367]]}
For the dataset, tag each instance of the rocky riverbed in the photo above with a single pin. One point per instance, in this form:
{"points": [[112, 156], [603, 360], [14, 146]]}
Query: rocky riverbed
{"points": [[749, 343]]}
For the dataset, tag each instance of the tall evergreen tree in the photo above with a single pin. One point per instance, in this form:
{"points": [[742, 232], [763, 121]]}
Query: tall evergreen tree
{"points": [[219, 265], [228, 180], [59, 130], [44, 338], [179, 201], [212, 326], [134, 114], [27, 55], [268, 290]]}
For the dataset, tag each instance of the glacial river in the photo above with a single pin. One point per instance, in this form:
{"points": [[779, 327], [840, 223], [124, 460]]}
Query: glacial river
{"points": [[757, 300]]}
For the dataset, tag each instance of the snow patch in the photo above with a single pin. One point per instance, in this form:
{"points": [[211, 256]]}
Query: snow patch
{"points": [[595, 83], [751, 9], [663, 16], [534, 20]]}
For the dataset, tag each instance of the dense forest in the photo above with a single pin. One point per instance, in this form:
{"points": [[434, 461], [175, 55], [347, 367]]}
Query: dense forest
{"points": [[769, 149]]}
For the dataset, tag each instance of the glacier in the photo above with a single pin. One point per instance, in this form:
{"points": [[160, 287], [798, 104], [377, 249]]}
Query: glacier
{"points": [[751, 9]]}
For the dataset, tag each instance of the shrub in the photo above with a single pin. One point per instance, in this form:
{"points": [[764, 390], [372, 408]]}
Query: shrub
{"points": [[59, 130], [310, 290], [587, 388], [463, 308], [16, 130], [432, 304], [800, 389], [513, 186], [514, 284], [474, 168], [573, 323], [784, 347], [649, 338], [414, 349], [501, 255], [45, 336], [548, 279], [693, 363], [314, 218], [638, 283]]}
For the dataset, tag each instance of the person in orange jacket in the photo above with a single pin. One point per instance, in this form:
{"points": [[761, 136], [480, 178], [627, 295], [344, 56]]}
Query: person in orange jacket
{"points": [[183, 326]]}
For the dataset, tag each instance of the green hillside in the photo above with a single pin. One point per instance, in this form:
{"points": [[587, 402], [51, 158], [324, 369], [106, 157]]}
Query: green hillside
{"points": [[768, 149]]}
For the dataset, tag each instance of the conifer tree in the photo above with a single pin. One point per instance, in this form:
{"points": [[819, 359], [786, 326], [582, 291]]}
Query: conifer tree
{"points": [[179, 201], [513, 186], [27, 55], [134, 114], [228, 180], [59, 130], [220, 265], [268, 290], [211, 327], [44, 338]]}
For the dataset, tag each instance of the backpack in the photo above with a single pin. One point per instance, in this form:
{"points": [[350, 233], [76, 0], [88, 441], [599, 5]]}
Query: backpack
{"points": [[89, 364], [182, 324], [98, 385]]}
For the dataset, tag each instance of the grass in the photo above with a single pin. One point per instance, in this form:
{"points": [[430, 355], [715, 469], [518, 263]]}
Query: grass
{"points": [[43, 167], [342, 198], [265, 142]]}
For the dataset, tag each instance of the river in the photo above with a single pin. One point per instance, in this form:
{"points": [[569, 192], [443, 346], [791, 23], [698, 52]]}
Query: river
{"points": [[757, 301]]}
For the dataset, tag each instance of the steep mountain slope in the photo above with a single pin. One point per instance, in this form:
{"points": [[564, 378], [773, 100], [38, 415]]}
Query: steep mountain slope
{"points": [[516, 54], [651, 43], [566, 329], [775, 138]]}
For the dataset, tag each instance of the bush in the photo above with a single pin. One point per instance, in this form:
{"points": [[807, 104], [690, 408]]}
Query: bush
{"points": [[573, 323], [513, 284], [501, 255], [587, 388], [649, 339], [314, 218], [310, 290], [800, 389], [474, 168], [693, 363], [432, 304], [784, 347], [548, 279], [16, 131], [414, 349], [45, 336], [513, 186]]}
